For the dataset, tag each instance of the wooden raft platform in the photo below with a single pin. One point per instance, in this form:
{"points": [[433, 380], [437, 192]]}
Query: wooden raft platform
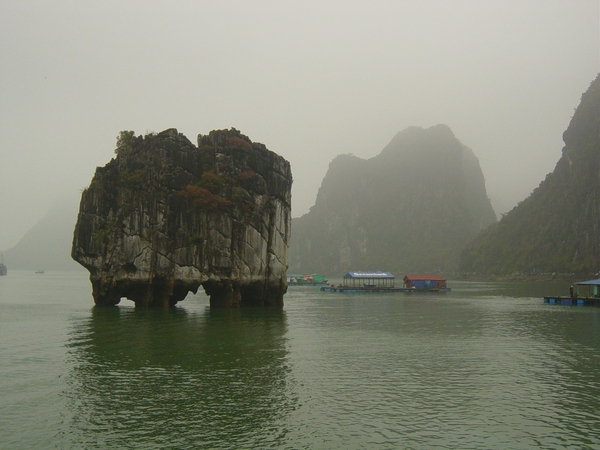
{"points": [[378, 290], [577, 301]]}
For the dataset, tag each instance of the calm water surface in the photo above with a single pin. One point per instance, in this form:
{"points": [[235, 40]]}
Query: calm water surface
{"points": [[487, 366]]}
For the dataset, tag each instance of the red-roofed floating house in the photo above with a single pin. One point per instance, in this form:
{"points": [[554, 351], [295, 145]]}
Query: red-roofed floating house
{"points": [[424, 282]]}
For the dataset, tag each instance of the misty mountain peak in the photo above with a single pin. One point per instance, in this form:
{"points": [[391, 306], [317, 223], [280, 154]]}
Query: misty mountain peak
{"points": [[410, 208], [422, 143]]}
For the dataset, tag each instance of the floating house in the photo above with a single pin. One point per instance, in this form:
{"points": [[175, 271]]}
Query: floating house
{"points": [[424, 282], [590, 288], [293, 278], [365, 282], [384, 282], [369, 280], [314, 279], [582, 293]]}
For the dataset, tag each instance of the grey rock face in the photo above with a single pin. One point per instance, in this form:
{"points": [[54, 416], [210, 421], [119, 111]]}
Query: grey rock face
{"points": [[165, 217], [410, 209]]}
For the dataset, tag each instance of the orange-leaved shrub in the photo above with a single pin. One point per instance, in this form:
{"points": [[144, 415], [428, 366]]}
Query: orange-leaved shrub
{"points": [[204, 198], [246, 175], [238, 143]]}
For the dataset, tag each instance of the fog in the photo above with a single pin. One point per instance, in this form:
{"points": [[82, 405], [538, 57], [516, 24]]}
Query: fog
{"points": [[309, 79]]}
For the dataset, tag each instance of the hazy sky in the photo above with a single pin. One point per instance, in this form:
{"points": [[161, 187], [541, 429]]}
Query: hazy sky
{"points": [[309, 79]]}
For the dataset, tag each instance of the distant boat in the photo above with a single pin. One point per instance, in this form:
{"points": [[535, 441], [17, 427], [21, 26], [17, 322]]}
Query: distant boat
{"points": [[39, 271], [3, 269], [306, 280]]}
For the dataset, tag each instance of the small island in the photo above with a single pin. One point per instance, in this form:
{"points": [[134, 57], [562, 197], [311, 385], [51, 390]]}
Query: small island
{"points": [[165, 217]]}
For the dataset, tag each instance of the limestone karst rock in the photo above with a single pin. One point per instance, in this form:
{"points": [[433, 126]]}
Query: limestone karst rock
{"points": [[410, 209], [165, 217], [556, 230]]}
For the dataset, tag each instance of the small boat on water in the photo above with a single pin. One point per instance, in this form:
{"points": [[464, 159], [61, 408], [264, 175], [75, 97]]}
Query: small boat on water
{"points": [[39, 271], [581, 293], [306, 280], [383, 282]]}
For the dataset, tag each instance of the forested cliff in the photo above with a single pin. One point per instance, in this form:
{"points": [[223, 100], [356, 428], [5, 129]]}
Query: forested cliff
{"points": [[556, 230], [411, 208]]}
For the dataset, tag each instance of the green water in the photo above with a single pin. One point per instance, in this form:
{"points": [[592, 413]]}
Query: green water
{"points": [[487, 366]]}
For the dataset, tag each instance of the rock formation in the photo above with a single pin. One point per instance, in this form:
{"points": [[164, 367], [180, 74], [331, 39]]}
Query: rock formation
{"points": [[412, 208], [165, 217], [556, 230]]}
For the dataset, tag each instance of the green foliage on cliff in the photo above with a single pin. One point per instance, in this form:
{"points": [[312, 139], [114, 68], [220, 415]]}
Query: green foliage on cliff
{"points": [[412, 208], [125, 141], [557, 228], [212, 182]]}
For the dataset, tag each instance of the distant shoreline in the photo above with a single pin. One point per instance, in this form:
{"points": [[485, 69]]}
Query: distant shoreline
{"points": [[571, 277]]}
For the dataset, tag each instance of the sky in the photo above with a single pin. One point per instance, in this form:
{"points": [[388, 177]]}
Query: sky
{"points": [[310, 80]]}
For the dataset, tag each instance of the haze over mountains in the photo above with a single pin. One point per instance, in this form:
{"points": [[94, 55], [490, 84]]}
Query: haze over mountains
{"points": [[420, 205], [557, 228], [47, 245], [412, 208]]}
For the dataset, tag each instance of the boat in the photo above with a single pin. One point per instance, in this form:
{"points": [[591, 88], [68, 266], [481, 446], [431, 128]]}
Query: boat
{"points": [[581, 293], [39, 271], [384, 282], [306, 280], [3, 269]]}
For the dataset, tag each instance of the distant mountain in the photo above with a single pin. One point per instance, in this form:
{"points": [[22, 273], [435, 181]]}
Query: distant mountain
{"points": [[48, 244], [412, 208], [557, 228]]}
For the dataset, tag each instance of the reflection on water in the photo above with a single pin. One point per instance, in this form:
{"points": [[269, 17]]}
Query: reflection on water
{"points": [[173, 379]]}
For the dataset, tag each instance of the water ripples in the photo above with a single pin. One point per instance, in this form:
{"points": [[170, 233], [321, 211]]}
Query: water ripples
{"points": [[462, 371], [452, 374]]}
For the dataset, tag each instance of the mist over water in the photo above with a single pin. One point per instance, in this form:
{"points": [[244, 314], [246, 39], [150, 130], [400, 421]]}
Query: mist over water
{"points": [[485, 366]]}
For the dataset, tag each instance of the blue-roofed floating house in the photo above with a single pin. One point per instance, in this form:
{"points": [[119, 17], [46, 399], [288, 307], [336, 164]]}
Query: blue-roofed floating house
{"points": [[364, 281], [369, 279], [582, 293]]}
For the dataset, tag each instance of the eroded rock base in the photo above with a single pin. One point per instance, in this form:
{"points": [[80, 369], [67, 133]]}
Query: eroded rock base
{"points": [[164, 293]]}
